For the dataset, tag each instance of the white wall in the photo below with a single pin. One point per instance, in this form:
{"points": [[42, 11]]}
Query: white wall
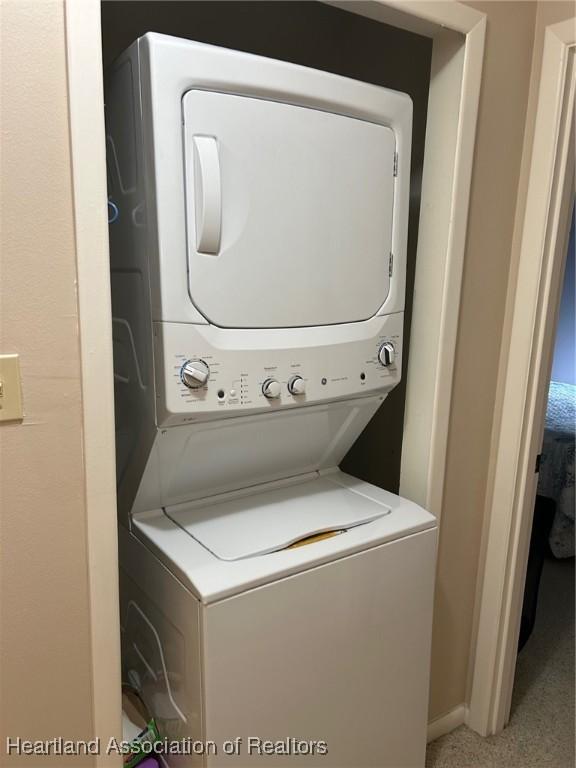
{"points": [[46, 653]]}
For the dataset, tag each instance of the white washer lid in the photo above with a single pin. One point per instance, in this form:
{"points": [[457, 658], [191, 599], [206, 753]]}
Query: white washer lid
{"points": [[268, 521]]}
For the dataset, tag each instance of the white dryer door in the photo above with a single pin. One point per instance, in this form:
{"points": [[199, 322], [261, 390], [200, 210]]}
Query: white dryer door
{"points": [[289, 212]]}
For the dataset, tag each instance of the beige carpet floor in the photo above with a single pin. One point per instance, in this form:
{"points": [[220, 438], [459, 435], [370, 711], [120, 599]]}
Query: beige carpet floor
{"points": [[541, 729]]}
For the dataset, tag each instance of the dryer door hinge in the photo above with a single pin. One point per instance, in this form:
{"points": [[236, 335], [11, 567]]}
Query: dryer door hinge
{"points": [[391, 265], [395, 163]]}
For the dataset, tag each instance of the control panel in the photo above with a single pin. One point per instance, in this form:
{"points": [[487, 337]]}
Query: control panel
{"points": [[204, 372]]}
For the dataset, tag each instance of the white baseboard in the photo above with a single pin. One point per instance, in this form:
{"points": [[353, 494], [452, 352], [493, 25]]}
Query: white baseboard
{"points": [[446, 723]]}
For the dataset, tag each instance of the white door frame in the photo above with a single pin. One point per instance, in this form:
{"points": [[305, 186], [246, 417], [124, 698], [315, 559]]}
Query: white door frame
{"points": [[533, 301], [458, 33], [88, 153]]}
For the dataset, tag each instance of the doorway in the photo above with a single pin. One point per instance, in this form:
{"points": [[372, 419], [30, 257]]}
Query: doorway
{"points": [[458, 33], [526, 363], [543, 693]]}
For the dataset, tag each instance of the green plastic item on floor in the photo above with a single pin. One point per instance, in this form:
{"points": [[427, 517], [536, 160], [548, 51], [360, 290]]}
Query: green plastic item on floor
{"points": [[143, 745]]}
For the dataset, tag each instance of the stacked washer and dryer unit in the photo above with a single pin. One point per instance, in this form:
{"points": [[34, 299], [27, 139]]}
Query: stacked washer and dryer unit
{"points": [[258, 279]]}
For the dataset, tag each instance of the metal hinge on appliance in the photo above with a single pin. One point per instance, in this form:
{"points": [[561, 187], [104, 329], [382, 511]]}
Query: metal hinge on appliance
{"points": [[390, 265], [395, 163]]}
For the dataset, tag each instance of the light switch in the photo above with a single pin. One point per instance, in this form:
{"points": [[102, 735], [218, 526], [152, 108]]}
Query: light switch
{"points": [[10, 388]]}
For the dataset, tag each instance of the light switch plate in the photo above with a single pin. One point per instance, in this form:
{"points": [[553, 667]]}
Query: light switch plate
{"points": [[10, 388]]}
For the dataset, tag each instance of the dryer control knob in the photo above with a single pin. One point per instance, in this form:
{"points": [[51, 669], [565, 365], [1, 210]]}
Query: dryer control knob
{"points": [[194, 373], [297, 385], [387, 354], [271, 389]]}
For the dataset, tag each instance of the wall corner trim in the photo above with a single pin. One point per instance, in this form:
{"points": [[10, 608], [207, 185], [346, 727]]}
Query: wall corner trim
{"points": [[444, 724]]}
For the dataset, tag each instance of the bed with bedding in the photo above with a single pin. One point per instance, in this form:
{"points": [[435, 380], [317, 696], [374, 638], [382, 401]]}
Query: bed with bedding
{"points": [[556, 479]]}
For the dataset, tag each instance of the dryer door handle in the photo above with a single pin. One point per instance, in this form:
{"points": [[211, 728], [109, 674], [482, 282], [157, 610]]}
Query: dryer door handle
{"points": [[207, 194]]}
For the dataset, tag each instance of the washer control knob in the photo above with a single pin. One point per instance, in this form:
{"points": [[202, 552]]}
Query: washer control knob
{"points": [[194, 373], [296, 385], [387, 354], [271, 389]]}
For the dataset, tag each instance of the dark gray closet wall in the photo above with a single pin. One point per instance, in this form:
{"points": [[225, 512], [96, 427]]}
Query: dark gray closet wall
{"points": [[319, 36]]}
